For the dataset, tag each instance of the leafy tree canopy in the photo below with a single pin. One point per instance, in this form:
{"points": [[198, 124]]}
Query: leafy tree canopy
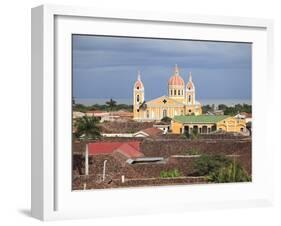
{"points": [[86, 128]]}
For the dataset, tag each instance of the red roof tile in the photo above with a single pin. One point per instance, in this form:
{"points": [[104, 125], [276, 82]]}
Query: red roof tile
{"points": [[129, 149], [153, 131]]}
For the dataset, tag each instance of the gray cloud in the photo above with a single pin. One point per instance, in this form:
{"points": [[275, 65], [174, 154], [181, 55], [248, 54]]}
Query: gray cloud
{"points": [[111, 63]]}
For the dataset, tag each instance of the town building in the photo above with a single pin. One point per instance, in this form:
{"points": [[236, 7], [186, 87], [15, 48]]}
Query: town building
{"points": [[204, 124], [181, 100], [244, 115]]}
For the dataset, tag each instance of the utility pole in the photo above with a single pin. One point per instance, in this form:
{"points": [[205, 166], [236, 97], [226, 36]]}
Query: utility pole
{"points": [[103, 174], [86, 161]]}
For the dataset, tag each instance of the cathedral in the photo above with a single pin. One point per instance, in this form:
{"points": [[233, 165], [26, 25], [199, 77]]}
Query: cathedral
{"points": [[181, 100]]}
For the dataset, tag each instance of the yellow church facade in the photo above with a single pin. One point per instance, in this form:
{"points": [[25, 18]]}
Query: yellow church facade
{"points": [[204, 124], [180, 100]]}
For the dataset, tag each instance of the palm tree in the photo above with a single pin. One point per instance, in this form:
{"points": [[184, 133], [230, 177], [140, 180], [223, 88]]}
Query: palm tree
{"points": [[86, 128], [111, 104]]}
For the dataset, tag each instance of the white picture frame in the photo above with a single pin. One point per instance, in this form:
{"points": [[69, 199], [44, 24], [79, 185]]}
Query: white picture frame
{"points": [[52, 197]]}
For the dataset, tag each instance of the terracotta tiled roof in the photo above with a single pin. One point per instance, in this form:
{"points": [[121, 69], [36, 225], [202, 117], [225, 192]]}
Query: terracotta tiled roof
{"points": [[153, 131], [247, 115], [129, 149]]}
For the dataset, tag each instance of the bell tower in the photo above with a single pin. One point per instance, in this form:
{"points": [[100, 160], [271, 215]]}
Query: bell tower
{"points": [[190, 95], [138, 96]]}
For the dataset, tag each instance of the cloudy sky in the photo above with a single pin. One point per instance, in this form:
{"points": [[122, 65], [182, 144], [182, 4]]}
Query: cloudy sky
{"points": [[106, 67]]}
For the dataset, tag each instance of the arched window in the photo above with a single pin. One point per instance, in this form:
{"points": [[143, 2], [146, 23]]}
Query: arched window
{"points": [[164, 113], [138, 98], [147, 113], [179, 92], [189, 98], [175, 92], [171, 92]]}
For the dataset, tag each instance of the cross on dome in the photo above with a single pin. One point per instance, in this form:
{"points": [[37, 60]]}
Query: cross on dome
{"points": [[190, 76], [176, 70], [139, 75]]}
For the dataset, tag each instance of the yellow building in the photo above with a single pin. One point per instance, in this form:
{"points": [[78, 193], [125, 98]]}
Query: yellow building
{"points": [[204, 124], [179, 101]]}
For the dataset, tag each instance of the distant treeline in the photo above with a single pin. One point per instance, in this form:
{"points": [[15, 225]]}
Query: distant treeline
{"points": [[229, 110], [110, 105]]}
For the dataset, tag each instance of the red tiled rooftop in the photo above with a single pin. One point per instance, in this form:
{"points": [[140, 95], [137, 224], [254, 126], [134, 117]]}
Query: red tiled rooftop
{"points": [[153, 131], [129, 149]]}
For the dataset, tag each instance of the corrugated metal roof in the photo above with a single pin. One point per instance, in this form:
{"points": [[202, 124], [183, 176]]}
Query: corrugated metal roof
{"points": [[145, 160]]}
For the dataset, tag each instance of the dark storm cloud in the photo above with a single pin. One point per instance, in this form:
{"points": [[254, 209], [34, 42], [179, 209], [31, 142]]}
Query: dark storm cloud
{"points": [[220, 69]]}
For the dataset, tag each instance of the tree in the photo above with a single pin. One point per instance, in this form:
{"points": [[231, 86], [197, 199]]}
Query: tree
{"points": [[222, 107], [111, 104], [166, 119], [86, 128], [249, 127], [233, 172], [206, 108], [219, 169], [80, 107], [207, 164]]}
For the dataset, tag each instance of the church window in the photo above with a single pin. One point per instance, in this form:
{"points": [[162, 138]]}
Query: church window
{"points": [[147, 113], [138, 98], [182, 92], [175, 92], [171, 92], [164, 113], [138, 87], [179, 92], [189, 98]]}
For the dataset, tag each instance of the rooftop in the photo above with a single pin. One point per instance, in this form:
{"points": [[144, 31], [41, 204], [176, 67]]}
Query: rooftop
{"points": [[152, 131], [128, 149], [200, 118]]}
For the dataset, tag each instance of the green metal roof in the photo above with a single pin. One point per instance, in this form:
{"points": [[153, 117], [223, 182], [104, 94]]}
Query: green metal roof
{"points": [[200, 118]]}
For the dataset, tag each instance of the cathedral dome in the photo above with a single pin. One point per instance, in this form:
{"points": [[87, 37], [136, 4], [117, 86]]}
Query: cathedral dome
{"points": [[176, 79]]}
